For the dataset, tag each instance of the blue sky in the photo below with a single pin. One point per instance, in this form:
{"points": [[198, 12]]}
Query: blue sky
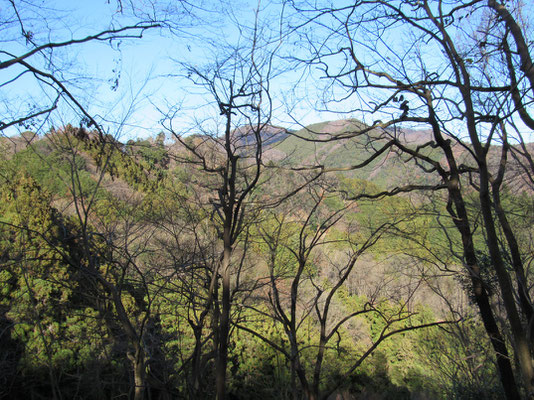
{"points": [[129, 84]]}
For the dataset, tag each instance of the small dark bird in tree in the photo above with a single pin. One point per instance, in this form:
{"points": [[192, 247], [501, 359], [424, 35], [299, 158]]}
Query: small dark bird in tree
{"points": [[405, 108]]}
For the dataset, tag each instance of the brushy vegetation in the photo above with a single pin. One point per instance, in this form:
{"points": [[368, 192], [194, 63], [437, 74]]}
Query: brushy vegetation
{"points": [[65, 335]]}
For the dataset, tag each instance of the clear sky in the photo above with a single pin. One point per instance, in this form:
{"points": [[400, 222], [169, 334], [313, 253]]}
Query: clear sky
{"points": [[131, 83]]}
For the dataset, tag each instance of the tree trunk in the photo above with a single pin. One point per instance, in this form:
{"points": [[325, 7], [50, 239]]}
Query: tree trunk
{"points": [[138, 363], [504, 365], [196, 363], [522, 348], [224, 326], [458, 212]]}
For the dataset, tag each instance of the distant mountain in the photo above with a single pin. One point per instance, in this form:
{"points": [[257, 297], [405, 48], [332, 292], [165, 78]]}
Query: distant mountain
{"points": [[269, 134], [335, 145]]}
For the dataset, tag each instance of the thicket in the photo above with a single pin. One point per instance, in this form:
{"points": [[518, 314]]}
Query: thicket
{"points": [[65, 312]]}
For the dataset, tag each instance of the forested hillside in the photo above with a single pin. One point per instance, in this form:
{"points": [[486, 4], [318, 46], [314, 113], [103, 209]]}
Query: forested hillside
{"points": [[278, 200], [110, 249]]}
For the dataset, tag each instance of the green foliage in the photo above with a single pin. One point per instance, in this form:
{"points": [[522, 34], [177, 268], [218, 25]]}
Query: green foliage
{"points": [[62, 323], [258, 370], [52, 167], [152, 153], [39, 284]]}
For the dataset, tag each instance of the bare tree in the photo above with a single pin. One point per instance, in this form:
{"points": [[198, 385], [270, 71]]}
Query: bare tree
{"points": [[305, 282], [35, 42], [452, 70], [227, 166]]}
